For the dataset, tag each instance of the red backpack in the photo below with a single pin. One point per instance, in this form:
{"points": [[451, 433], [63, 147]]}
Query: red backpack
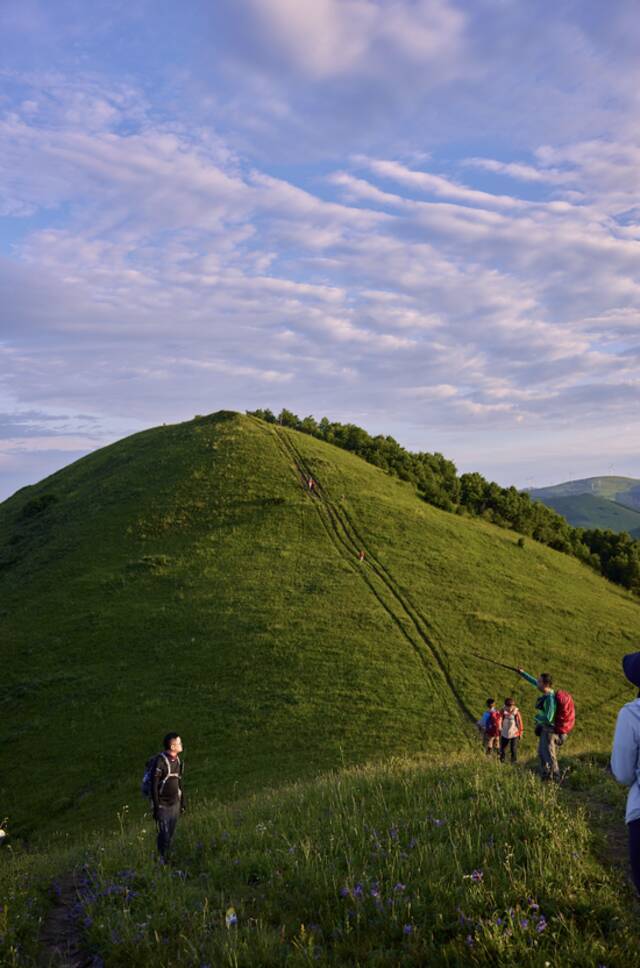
{"points": [[565, 718], [494, 723]]}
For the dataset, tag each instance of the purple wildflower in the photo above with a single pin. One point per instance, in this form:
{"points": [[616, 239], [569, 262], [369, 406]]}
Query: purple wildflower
{"points": [[399, 888], [469, 940], [477, 876], [541, 925], [438, 823], [407, 929], [358, 890], [345, 892], [375, 890], [524, 923]]}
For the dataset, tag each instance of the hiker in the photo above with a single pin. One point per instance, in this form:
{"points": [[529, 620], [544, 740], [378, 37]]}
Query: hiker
{"points": [[489, 725], [511, 729], [554, 720], [167, 793], [361, 556], [311, 484], [625, 760]]}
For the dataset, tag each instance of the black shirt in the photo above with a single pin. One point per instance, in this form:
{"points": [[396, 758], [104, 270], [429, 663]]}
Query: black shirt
{"points": [[167, 785]]}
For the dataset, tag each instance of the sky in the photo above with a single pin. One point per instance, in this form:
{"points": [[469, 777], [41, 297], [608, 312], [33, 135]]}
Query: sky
{"points": [[419, 216]]}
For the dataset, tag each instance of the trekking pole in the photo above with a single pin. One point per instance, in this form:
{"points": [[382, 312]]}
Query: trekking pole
{"points": [[494, 662]]}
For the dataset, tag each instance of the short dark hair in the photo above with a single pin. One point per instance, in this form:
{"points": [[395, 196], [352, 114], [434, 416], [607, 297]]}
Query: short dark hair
{"points": [[168, 740], [546, 679], [509, 701], [490, 702]]}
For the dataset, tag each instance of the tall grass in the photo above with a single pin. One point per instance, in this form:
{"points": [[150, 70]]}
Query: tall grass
{"points": [[411, 863]]}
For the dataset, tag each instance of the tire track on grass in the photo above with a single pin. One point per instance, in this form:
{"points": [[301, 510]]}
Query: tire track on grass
{"points": [[344, 536]]}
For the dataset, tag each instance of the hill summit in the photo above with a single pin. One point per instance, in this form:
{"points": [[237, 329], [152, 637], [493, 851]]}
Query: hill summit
{"points": [[608, 503], [188, 578]]}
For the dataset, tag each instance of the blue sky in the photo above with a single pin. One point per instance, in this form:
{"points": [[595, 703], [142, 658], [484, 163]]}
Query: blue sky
{"points": [[422, 216]]}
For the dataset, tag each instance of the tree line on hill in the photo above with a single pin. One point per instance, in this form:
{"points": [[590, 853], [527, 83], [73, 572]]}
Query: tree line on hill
{"points": [[615, 555]]}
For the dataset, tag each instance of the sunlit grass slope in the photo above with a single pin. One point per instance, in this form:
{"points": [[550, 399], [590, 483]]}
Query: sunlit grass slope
{"points": [[442, 862], [184, 579]]}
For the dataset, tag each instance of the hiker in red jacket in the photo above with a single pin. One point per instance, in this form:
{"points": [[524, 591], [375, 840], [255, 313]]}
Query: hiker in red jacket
{"points": [[511, 729]]}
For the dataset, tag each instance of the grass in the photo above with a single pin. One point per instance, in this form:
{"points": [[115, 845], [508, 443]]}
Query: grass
{"points": [[454, 861], [183, 579]]}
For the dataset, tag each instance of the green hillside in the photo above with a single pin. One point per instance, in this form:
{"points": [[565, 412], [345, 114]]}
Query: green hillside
{"points": [[185, 578], [591, 511]]}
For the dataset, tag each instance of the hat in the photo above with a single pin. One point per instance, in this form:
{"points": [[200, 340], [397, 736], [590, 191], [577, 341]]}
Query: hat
{"points": [[631, 667]]}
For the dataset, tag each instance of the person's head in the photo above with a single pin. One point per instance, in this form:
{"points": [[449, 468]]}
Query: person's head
{"points": [[631, 668], [172, 743], [509, 704], [490, 703], [545, 682]]}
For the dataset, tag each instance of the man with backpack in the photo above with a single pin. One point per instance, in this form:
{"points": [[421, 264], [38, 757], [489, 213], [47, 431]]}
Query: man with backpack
{"points": [[554, 720], [167, 795]]}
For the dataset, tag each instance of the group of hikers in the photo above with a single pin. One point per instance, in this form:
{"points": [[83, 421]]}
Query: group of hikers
{"points": [[554, 720], [501, 729], [555, 717]]}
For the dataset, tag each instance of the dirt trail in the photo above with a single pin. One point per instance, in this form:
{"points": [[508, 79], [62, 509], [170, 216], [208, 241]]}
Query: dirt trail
{"points": [[348, 542], [61, 943]]}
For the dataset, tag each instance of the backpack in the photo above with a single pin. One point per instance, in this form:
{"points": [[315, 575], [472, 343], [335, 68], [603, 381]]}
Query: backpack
{"points": [[565, 718], [146, 787], [493, 723]]}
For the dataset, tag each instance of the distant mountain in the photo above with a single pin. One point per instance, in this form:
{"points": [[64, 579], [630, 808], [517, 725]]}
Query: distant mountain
{"points": [[596, 502], [589, 511]]}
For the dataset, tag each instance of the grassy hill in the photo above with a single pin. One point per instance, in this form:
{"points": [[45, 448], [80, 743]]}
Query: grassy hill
{"points": [[592, 511], [184, 578], [622, 490]]}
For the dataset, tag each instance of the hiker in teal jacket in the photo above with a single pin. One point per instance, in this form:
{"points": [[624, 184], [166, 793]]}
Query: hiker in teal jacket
{"points": [[548, 740]]}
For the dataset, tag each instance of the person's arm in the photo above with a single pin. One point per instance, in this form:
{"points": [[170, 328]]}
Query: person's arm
{"points": [[155, 785], [531, 679], [624, 755], [183, 802], [519, 723]]}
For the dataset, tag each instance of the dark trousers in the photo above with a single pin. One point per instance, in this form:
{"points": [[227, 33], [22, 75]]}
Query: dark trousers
{"points": [[634, 851], [166, 823], [513, 743]]}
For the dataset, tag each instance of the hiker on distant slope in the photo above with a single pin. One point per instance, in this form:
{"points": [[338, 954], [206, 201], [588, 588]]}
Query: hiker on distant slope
{"points": [[511, 729], [489, 725], [554, 720], [166, 792], [625, 761]]}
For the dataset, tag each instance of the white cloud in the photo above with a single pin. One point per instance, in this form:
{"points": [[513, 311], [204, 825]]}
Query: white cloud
{"points": [[522, 172], [327, 38]]}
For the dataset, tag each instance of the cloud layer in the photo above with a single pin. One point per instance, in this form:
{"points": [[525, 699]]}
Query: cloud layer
{"points": [[466, 296]]}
